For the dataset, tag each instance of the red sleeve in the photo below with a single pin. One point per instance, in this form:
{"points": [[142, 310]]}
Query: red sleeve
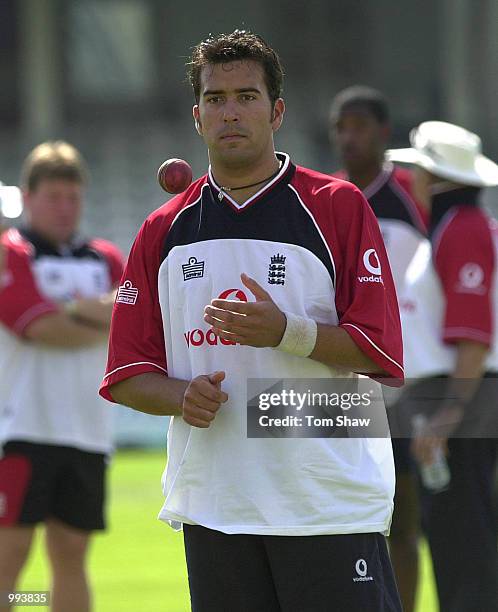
{"points": [[365, 296], [21, 302], [366, 300], [113, 256], [136, 341], [466, 276]]}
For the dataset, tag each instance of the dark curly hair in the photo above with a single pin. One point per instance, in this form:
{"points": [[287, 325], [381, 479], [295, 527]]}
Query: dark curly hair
{"points": [[360, 97], [239, 45]]}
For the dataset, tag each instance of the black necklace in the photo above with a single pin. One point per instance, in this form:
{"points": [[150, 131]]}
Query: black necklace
{"points": [[228, 189]]}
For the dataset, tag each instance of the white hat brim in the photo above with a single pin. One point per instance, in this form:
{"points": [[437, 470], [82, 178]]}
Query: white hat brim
{"points": [[483, 174]]}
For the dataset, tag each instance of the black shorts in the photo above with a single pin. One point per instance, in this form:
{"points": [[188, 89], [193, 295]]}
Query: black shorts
{"points": [[39, 481], [461, 528], [252, 573]]}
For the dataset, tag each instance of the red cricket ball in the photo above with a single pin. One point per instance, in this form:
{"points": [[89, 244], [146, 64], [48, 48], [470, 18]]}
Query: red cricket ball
{"points": [[174, 175]]}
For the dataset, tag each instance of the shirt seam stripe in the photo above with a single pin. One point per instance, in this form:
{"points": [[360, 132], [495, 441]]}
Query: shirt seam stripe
{"points": [[137, 363], [374, 345]]}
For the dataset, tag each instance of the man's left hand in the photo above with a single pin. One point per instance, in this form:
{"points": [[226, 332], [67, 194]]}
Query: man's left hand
{"points": [[438, 429], [260, 323], [425, 447]]}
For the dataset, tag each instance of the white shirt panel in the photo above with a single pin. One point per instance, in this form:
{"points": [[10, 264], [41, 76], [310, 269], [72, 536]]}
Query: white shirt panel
{"points": [[218, 477]]}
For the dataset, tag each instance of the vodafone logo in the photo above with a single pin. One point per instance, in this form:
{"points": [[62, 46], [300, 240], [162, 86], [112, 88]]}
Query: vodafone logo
{"points": [[371, 262], [470, 278], [233, 294], [372, 265], [199, 337], [361, 569]]}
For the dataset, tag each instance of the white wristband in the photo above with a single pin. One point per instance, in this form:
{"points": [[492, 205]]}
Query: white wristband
{"points": [[299, 337]]}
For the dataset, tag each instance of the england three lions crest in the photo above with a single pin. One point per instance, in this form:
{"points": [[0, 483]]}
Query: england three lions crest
{"points": [[276, 270]]}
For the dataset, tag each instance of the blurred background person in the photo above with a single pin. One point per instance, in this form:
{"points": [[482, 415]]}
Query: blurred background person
{"points": [[3, 227], [360, 130], [10, 207], [55, 434], [450, 320]]}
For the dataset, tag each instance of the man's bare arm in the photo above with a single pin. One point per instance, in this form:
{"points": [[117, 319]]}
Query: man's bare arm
{"points": [[335, 347], [59, 330], [81, 323], [469, 367], [198, 400], [462, 385], [93, 311], [152, 393]]}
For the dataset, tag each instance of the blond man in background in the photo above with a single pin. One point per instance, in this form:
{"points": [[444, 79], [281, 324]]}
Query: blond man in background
{"points": [[54, 318]]}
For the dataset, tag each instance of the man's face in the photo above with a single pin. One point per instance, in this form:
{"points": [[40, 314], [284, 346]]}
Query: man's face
{"points": [[235, 115], [360, 138], [54, 208]]}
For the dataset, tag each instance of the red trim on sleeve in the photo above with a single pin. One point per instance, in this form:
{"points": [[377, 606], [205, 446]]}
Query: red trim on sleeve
{"points": [[113, 256], [31, 315], [365, 296], [375, 353], [21, 302], [464, 258], [136, 341], [455, 334]]}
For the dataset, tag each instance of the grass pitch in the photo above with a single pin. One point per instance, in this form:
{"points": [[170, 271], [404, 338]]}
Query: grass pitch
{"points": [[138, 564]]}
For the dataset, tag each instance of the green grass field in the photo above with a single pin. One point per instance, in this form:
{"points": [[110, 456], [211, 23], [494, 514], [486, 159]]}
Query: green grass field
{"points": [[138, 565]]}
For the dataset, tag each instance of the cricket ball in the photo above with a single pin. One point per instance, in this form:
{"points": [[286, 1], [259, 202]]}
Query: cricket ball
{"points": [[174, 175]]}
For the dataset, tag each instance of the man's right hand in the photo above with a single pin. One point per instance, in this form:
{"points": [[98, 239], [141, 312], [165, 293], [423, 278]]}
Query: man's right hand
{"points": [[202, 399]]}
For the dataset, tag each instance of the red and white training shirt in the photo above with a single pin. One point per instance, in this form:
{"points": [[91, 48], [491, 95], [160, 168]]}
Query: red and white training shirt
{"points": [[314, 244], [451, 287], [402, 220], [48, 395]]}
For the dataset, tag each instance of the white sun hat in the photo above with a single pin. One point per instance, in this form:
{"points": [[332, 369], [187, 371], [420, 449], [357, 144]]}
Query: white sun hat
{"points": [[448, 151]]}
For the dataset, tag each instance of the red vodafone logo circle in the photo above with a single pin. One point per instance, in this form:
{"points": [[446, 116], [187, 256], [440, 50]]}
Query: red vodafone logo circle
{"points": [[237, 294]]}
